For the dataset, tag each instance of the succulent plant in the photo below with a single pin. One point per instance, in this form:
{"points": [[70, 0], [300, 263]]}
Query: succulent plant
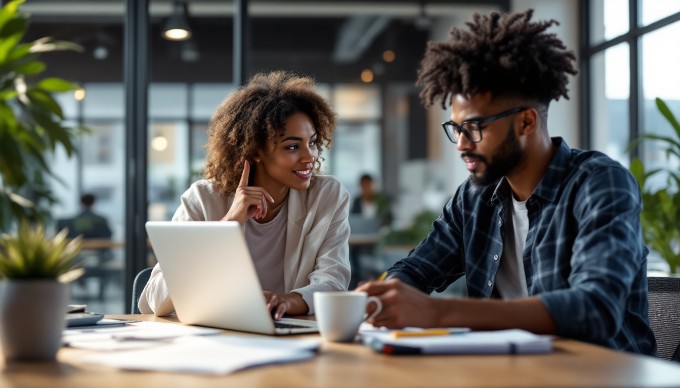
{"points": [[31, 255]]}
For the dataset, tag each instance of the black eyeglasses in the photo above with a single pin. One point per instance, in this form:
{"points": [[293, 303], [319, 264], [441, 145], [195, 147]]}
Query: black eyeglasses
{"points": [[472, 129]]}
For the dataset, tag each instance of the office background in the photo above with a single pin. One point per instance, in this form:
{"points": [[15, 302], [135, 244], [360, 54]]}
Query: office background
{"points": [[364, 55]]}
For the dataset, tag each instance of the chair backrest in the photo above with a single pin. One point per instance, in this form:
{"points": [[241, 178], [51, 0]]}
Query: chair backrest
{"points": [[664, 315], [137, 286]]}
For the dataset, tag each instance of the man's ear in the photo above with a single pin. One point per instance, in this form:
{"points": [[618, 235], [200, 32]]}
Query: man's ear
{"points": [[528, 121]]}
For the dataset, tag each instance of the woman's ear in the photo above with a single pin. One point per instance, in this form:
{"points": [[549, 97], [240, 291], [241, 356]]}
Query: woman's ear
{"points": [[257, 157]]}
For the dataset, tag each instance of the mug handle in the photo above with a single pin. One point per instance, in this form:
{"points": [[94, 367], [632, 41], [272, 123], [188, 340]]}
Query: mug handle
{"points": [[378, 306]]}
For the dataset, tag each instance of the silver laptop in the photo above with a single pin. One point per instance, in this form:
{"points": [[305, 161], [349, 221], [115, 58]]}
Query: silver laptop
{"points": [[212, 280]]}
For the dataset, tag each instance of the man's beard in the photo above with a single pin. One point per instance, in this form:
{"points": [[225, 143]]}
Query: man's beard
{"points": [[507, 156]]}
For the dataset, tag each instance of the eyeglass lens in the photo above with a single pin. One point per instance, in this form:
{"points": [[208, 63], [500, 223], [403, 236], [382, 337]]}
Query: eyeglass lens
{"points": [[471, 129]]}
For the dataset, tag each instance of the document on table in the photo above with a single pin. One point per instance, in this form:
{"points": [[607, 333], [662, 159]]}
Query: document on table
{"points": [[131, 336], [513, 341], [210, 354]]}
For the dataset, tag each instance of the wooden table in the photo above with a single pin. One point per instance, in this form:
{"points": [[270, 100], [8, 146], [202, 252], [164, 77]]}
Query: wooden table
{"points": [[572, 364]]}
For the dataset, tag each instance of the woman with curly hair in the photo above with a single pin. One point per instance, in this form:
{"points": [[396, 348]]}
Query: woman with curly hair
{"points": [[264, 146]]}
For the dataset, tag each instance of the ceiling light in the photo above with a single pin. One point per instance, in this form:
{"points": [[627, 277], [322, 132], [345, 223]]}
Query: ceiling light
{"points": [[389, 56], [159, 142], [177, 26], [100, 52], [79, 94], [367, 76]]}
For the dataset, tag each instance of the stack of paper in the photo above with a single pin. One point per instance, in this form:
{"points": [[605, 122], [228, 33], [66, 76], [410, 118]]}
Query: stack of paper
{"points": [[211, 355], [475, 342], [129, 336], [177, 348]]}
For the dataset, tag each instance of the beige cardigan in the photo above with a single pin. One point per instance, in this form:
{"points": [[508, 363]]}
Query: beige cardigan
{"points": [[316, 254]]}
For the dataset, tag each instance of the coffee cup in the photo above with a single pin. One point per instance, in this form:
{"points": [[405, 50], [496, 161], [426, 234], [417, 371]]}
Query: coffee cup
{"points": [[340, 313]]}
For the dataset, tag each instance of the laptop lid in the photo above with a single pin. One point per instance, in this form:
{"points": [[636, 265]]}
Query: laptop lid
{"points": [[211, 277]]}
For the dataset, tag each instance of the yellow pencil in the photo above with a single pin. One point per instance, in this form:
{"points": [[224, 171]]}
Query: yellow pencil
{"points": [[430, 332], [382, 277], [420, 333]]}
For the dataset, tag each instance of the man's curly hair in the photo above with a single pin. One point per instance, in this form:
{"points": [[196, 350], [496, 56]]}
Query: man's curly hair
{"points": [[504, 54], [256, 114]]}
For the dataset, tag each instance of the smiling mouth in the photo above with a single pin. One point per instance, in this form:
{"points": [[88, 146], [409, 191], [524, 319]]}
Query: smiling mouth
{"points": [[304, 174]]}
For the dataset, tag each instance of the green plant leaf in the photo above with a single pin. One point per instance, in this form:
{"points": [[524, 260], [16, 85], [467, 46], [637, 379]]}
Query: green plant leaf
{"points": [[9, 11], [638, 171], [7, 44], [54, 84], [11, 157], [46, 101], [31, 254], [16, 26], [666, 112], [31, 122], [665, 139], [8, 94], [18, 52], [31, 68], [661, 206]]}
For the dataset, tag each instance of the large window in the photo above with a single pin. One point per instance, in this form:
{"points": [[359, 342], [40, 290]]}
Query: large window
{"points": [[632, 60], [631, 57]]}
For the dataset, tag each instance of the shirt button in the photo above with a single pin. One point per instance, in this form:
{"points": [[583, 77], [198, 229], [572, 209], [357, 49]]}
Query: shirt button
{"points": [[495, 257], [490, 283]]}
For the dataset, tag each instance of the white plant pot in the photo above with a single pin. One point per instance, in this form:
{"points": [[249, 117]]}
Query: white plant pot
{"points": [[32, 318]]}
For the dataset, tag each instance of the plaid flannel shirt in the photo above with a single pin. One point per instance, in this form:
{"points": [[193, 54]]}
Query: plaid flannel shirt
{"points": [[584, 257]]}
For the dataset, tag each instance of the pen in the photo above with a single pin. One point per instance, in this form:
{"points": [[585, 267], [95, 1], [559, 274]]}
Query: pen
{"points": [[429, 333]]}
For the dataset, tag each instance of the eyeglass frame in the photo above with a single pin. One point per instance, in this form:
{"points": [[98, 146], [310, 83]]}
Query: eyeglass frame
{"points": [[479, 122]]}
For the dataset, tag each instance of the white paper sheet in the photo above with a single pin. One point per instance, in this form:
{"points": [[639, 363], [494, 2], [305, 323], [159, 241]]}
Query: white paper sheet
{"points": [[210, 355], [131, 336]]}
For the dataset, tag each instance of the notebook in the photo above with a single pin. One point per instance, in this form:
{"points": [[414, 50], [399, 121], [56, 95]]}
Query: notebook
{"points": [[513, 341], [212, 280]]}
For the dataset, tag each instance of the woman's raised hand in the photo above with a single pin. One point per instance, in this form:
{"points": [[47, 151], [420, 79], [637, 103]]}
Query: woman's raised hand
{"points": [[249, 201]]}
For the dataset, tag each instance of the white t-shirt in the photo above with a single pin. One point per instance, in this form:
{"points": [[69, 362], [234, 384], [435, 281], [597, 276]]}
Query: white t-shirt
{"points": [[267, 245], [368, 209], [510, 278]]}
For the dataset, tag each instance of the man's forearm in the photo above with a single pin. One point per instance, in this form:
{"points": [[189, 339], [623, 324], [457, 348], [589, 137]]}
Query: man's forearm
{"points": [[480, 314]]}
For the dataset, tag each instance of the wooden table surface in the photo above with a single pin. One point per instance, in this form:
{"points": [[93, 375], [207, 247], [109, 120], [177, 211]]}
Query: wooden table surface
{"points": [[572, 364]]}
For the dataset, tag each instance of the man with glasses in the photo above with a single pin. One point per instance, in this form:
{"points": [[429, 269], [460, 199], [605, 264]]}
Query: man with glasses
{"points": [[548, 237]]}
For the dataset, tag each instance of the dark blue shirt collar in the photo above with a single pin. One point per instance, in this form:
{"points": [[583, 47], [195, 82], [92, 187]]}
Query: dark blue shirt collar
{"points": [[549, 186]]}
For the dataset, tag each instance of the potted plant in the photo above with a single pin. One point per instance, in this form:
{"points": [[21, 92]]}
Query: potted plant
{"points": [[31, 120], [34, 292], [660, 216]]}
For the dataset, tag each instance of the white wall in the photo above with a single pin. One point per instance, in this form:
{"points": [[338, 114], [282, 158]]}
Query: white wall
{"points": [[563, 117]]}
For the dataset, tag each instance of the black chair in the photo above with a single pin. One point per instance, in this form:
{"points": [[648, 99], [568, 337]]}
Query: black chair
{"points": [[137, 286], [664, 315]]}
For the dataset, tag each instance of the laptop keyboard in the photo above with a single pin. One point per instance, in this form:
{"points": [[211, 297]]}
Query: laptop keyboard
{"points": [[281, 325]]}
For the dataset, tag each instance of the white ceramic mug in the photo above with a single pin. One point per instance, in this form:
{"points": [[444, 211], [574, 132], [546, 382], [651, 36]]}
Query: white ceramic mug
{"points": [[340, 313]]}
